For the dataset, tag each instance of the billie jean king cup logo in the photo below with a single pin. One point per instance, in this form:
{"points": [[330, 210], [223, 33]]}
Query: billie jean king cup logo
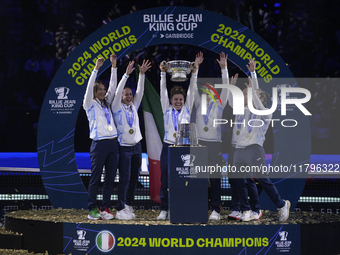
{"points": [[188, 159], [283, 235], [62, 92], [81, 234]]}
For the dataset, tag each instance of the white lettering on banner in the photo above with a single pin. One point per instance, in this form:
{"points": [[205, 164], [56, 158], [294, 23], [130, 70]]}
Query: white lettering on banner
{"points": [[167, 22], [158, 18], [186, 26], [178, 35], [161, 27], [62, 105], [147, 18]]}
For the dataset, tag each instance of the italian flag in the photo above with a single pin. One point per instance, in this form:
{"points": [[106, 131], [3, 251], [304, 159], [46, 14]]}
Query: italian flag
{"points": [[154, 133], [105, 241]]}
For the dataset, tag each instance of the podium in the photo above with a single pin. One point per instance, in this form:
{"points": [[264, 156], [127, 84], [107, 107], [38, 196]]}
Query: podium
{"points": [[188, 184]]}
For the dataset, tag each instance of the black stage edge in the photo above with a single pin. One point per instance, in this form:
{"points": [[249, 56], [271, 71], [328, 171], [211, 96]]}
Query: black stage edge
{"points": [[42, 236], [38, 236], [320, 238], [10, 241]]}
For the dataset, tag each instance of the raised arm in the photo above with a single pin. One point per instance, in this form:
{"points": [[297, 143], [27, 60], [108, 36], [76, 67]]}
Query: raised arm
{"points": [[193, 80], [118, 96], [251, 67], [88, 97], [197, 98], [113, 80], [224, 67], [140, 86], [226, 95], [163, 91], [256, 100], [253, 83], [225, 78], [230, 96]]}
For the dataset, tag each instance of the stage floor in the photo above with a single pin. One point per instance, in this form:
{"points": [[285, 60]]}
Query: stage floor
{"points": [[149, 217]]}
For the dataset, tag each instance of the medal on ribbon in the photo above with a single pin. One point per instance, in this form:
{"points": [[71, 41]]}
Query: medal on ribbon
{"points": [[175, 115], [250, 128], [239, 118], [107, 114], [206, 117], [175, 118], [129, 118]]}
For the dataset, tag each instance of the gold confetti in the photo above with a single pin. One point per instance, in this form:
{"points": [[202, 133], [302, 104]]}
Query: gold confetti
{"points": [[149, 217]]}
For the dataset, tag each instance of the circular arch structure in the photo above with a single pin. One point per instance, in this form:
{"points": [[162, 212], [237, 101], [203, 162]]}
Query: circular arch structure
{"points": [[162, 25]]}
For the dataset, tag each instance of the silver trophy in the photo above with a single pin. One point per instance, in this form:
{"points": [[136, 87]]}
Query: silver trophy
{"points": [[179, 69], [186, 135]]}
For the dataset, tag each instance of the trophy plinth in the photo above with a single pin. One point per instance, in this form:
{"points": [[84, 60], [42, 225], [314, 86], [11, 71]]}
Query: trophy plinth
{"points": [[179, 69], [186, 135]]}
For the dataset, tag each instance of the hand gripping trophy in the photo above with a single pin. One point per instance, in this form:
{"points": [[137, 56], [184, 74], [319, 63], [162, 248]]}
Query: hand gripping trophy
{"points": [[179, 69]]}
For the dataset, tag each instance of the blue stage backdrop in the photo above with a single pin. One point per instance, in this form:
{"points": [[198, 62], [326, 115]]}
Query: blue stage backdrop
{"points": [[163, 25]]}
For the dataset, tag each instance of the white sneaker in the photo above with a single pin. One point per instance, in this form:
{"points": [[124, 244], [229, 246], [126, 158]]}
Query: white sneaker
{"points": [[235, 215], [130, 209], [214, 216], [257, 215], [284, 211], [247, 216], [163, 215], [124, 214]]}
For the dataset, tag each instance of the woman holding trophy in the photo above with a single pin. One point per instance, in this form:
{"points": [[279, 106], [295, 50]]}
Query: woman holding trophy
{"points": [[174, 113]]}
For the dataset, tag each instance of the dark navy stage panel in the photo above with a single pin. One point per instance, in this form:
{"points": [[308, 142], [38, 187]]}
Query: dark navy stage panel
{"points": [[174, 239], [188, 189], [106, 237]]}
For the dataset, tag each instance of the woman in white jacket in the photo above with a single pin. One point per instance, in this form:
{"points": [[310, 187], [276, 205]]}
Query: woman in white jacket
{"points": [[124, 109], [173, 114], [103, 132]]}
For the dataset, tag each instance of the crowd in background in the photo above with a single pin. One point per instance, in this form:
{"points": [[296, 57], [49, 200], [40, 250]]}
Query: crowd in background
{"points": [[37, 36]]}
